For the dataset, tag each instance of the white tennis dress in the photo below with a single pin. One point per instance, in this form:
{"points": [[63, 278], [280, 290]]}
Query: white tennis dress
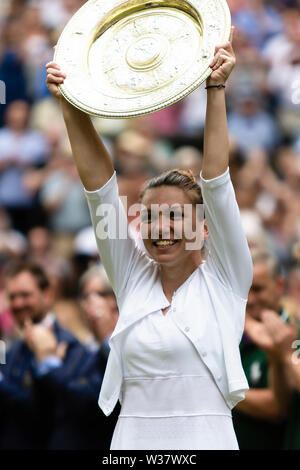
{"points": [[177, 375], [170, 399]]}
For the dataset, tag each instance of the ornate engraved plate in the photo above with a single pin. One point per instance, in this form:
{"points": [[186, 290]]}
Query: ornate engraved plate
{"points": [[128, 59]]}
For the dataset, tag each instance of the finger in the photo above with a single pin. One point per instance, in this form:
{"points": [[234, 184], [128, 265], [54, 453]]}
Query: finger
{"points": [[225, 52], [53, 65], [56, 72], [214, 61], [268, 316], [232, 30], [272, 321], [271, 315], [226, 49], [51, 79], [61, 350], [220, 50], [220, 62], [28, 324], [220, 58], [217, 55], [50, 327]]}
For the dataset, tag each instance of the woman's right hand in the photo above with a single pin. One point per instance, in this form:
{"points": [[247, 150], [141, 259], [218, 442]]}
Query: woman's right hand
{"points": [[55, 77]]}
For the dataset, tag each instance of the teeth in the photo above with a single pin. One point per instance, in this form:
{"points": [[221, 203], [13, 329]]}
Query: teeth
{"points": [[165, 243]]}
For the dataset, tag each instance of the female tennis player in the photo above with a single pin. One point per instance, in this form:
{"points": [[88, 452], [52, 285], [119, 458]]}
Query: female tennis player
{"points": [[174, 362]]}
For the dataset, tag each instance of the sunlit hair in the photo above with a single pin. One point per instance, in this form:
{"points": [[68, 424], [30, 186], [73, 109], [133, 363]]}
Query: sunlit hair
{"points": [[183, 179]]}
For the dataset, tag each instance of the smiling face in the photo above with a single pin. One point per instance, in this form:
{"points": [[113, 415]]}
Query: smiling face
{"points": [[26, 299], [170, 225]]}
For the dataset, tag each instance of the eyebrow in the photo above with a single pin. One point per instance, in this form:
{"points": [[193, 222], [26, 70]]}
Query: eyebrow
{"points": [[171, 207]]}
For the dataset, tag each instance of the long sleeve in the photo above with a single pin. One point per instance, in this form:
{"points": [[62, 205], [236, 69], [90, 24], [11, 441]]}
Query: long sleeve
{"points": [[118, 251], [229, 256]]}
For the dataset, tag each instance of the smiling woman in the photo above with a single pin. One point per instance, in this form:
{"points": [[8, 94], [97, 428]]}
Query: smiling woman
{"points": [[174, 363], [173, 207]]}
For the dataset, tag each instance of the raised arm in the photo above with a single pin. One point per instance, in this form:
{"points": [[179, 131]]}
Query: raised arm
{"points": [[93, 162], [229, 259], [118, 252], [216, 141]]}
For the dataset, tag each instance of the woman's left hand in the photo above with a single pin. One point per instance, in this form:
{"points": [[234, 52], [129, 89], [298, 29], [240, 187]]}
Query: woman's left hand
{"points": [[223, 62]]}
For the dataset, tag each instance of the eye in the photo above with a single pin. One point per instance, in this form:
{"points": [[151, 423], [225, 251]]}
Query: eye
{"points": [[176, 214], [147, 217]]}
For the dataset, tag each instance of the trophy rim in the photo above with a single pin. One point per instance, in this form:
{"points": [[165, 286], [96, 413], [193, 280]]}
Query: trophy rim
{"points": [[68, 94]]}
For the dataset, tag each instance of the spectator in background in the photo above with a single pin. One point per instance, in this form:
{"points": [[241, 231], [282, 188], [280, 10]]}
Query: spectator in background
{"points": [[99, 305], [12, 71], [56, 14], [188, 158], [7, 323], [293, 290], [192, 116], [12, 242], [36, 48], [280, 341], [50, 382], [85, 251], [132, 153], [132, 156], [12, 245], [41, 252], [250, 125], [278, 202], [283, 55], [62, 198], [20, 149], [258, 21], [259, 420]]}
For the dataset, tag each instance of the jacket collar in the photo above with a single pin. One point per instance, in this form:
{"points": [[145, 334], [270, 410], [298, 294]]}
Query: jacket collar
{"points": [[155, 301]]}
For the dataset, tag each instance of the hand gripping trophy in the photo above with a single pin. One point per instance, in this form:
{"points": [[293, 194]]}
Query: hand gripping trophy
{"points": [[129, 58]]}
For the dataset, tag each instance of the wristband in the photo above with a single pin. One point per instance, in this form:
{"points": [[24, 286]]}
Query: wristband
{"points": [[215, 86]]}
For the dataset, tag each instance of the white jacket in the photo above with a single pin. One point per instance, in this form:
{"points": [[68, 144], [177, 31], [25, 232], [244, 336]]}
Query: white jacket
{"points": [[209, 307]]}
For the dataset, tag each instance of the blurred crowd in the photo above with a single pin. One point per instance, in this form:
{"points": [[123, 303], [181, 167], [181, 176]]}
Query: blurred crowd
{"points": [[49, 265]]}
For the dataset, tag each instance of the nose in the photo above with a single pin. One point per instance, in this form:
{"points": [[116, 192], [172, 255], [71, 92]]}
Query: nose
{"points": [[17, 302], [162, 227]]}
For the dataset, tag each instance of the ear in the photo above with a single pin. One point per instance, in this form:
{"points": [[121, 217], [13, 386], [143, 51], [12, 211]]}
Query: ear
{"points": [[206, 232]]}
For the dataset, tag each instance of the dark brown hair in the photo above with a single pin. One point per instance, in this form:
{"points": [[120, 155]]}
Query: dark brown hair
{"points": [[183, 179], [18, 267]]}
